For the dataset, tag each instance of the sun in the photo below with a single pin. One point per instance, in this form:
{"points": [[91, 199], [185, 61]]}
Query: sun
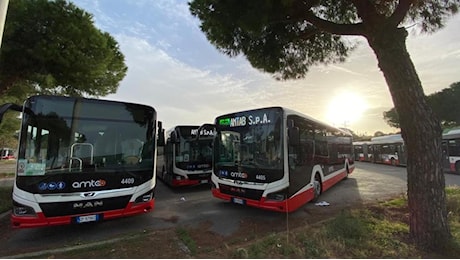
{"points": [[345, 109]]}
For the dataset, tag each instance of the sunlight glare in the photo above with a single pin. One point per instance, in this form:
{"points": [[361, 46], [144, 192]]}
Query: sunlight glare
{"points": [[345, 109]]}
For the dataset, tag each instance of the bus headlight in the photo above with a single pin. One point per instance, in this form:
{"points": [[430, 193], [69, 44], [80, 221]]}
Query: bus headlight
{"points": [[179, 177], [23, 210], [145, 197], [277, 196]]}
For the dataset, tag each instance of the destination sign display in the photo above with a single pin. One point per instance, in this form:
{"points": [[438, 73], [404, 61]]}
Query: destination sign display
{"points": [[249, 119]]}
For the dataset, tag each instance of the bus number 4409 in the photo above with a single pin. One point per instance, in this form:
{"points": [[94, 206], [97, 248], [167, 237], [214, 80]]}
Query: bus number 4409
{"points": [[127, 181]]}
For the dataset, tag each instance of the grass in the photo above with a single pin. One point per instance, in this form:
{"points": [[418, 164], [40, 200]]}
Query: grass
{"points": [[6, 175], [3, 162], [378, 230], [9, 163], [187, 242]]}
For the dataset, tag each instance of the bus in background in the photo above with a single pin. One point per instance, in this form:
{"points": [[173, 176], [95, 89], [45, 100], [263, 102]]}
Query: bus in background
{"points": [[187, 155], [363, 151], [7, 154], [451, 150], [277, 159], [82, 160], [389, 149]]}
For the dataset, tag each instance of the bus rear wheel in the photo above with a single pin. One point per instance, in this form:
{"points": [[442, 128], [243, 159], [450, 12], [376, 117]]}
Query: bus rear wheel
{"points": [[317, 188], [457, 167]]}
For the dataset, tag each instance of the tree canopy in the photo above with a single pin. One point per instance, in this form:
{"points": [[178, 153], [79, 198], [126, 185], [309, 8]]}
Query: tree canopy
{"points": [[445, 104], [54, 47], [288, 37]]}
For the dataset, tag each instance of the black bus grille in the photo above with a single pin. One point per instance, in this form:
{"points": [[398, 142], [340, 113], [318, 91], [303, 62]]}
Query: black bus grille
{"points": [[241, 192], [56, 209], [201, 176]]}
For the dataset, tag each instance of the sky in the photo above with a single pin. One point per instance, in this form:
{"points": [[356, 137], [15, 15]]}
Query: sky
{"points": [[173, 68]]}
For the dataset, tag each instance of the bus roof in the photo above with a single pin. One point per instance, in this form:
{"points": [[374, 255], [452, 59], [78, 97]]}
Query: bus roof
{"points": [[361, 142], [396, 138], [451, 134]]}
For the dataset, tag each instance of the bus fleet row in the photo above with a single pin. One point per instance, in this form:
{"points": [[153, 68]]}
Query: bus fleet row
{"points": [[390, 149], [86, 160]]}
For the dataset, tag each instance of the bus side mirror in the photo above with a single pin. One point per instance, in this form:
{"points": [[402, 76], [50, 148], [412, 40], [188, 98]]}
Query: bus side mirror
{"points": [[294, 135], [174, 138], [8, 106], [161, 134]]}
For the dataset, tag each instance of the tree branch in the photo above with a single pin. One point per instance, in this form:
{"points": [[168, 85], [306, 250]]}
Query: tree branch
{"points": [[334, 28], [400, 12], [366, 10]]}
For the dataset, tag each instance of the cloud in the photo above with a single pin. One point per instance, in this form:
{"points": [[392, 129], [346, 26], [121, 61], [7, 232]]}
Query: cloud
{"points": [[173, 67], [181, 94]]}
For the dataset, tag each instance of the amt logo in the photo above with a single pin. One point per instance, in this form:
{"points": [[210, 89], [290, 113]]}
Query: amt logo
{"points": [[242, 175], [89, 184]]}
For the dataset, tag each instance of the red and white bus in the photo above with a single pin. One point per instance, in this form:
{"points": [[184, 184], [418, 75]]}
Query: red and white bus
{"points": [[277, 159], [389, 149], [7, 154], [83, 160], [363, 151], [187, 155], [451, 150]]}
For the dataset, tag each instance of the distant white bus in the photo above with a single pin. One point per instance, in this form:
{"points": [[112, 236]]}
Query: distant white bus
{"points": [[7, 153], [363, 151], [187, 155], [451, 150], [389, 149]]}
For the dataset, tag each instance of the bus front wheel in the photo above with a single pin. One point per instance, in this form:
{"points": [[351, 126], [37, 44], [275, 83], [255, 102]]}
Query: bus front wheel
{"points": [[317, 187]]}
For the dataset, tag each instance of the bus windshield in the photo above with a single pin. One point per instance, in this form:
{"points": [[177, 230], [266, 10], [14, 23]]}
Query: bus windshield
{"points": [[249, 140], [193, 153], [78, 136]]}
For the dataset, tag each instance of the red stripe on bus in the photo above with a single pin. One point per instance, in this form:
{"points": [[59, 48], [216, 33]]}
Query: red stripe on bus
{"points": [[40, 220]]}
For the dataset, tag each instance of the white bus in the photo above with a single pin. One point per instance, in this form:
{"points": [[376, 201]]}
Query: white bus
{"points": [[82, 160], [187, 155], [7, 153], [363, 151], [389, 149], [451, 150], [277, 159]]}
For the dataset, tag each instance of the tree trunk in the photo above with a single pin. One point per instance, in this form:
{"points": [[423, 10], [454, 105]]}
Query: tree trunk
{"points": [[421, 132]]}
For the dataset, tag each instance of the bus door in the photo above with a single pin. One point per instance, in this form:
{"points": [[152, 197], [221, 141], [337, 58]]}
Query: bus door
{"points": [[402, 155], [301, 152], [445, 157]]}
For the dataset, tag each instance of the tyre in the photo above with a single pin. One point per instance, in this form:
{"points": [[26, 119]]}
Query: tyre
{"points": [[393, 161], [317, 188]]}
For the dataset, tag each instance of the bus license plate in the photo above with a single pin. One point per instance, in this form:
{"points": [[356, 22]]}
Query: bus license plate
{"points": [[204, 181], [88, 218], [238, 201]]}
